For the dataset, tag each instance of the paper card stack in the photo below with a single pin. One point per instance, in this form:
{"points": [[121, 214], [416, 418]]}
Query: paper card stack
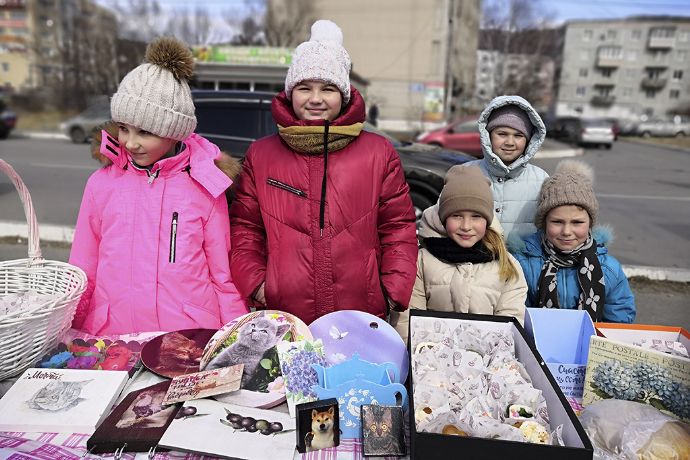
{"points": [[60, 400]]}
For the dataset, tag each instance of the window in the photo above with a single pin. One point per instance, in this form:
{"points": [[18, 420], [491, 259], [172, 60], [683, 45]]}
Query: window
{"points": [[5, 66], [662, 32], [581, 91], [435, 56], [587, 35], [636, 34], [627, 92], [681, 55], [611, 34], [606, 73], [583, 72], [684, 36], [650, 93], [677, 74], [674, 94], [630, 73]]}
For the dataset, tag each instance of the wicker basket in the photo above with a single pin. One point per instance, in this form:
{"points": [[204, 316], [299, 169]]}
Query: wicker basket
{"points": [[26, 335]]}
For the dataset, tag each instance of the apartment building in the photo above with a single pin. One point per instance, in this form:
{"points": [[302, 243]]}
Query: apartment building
{"points": [[625, 68], [44, 43], [419, 56]]}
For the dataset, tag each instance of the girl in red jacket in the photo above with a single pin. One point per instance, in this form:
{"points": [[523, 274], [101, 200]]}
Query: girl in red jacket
{"points": [[153, 233], [322, 219]]}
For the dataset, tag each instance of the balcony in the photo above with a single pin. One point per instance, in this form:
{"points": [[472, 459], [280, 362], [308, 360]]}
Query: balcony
{"points": [[609, 56], [653, 83], [600, 100], [661, 38]]}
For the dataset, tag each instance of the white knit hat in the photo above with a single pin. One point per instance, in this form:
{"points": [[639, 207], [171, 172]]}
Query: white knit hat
{"points": [[322, 58], [155, 96]]}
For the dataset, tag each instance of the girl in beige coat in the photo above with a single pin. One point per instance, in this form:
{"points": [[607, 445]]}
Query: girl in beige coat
{"points": [[466, 267]]}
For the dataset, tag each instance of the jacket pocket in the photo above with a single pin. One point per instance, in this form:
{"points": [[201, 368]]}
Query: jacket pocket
{"points": [[286, 187], [173, 238], [202, 317], [97, 319]]}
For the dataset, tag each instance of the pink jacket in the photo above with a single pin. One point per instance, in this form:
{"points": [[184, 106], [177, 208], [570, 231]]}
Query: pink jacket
{"points": [[155, 245]]}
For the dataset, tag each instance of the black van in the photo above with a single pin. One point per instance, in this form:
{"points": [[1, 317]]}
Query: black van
{"points": [[234, 119]]}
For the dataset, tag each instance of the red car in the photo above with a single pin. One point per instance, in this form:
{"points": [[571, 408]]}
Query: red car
{"points": [[461, 134]]}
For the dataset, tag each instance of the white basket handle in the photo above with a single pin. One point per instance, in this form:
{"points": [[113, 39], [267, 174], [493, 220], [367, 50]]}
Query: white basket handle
{"points": [[34, 246]]}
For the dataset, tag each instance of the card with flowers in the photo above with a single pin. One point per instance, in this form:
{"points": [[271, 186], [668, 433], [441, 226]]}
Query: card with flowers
{"points": [[296, 359]]}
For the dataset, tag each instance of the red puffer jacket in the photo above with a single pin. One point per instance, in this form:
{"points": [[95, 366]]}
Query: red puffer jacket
{"points": [[368, 250]]}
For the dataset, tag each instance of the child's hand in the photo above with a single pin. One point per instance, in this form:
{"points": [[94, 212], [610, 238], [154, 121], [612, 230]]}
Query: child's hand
{"points": [[259, 295]]}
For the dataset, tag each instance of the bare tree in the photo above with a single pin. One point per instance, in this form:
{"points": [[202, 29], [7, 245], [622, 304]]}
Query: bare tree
{"points": [[138, 19], [518, 31], [251, 33], [286, 22]]}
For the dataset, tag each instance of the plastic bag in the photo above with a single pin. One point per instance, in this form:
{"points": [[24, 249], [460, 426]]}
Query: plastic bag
{"points": [[628, 430]]}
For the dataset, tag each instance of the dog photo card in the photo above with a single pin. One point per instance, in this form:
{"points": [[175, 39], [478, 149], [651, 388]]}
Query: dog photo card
{"points": [[318, 425], [382, 430]]}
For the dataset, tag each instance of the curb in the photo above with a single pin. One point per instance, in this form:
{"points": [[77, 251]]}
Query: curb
{"points": [[561, 153], [46, 232], [65, 234], [38, 135]]}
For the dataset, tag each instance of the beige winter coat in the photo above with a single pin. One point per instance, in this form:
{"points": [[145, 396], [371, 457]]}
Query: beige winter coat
{"points": [[463, 288]]}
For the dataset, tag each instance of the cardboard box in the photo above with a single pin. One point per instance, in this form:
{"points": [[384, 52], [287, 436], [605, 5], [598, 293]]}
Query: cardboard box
{"points": [[562, 338], [658, 378], [430, 446]]}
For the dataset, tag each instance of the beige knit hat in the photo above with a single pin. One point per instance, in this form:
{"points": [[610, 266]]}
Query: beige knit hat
{"points": [[322, 58], [155, 96], [571, 184], [466, 189]]}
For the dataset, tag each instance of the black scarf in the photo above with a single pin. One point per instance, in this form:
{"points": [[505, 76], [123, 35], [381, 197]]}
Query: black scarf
{"points": [[447, 250], [589, 276]]}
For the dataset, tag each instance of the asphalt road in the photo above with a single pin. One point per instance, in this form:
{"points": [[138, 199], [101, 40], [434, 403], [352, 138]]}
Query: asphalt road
{"points": [[644, 193]]}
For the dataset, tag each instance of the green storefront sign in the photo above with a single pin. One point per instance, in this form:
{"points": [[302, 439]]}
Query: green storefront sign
{"points": [[247, 55]]}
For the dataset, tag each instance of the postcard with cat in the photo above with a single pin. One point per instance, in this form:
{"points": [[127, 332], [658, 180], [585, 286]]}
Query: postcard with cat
{"points": [[60, 400], [382, 430], [251, 340], [138, 421]]}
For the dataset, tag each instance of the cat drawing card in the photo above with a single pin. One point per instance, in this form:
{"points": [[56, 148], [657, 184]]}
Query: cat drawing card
{"points": [[318, 425], [251, 340], [382, 430], [138, 421], [176, 353], [60, 400]]}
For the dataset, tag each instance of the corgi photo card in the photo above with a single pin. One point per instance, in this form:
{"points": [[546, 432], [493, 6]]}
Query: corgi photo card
{"points": [[317, 425]]}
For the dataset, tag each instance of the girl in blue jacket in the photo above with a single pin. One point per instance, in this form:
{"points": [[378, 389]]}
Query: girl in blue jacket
{"points": [[566, 264]]}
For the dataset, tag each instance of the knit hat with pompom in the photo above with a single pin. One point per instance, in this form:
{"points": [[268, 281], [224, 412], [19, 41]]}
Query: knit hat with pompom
{"points": [[155, 96], [322, 58], [571, 184]]}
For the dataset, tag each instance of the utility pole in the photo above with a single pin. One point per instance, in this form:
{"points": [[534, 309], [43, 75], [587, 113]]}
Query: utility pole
{"points": [[448, 84]]}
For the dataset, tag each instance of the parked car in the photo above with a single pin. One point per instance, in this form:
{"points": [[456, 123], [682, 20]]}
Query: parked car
{"points": [[80, 128], [8, 120], [234, 119], [664, 127], [615, 127], [461, 134], [582, 131]]}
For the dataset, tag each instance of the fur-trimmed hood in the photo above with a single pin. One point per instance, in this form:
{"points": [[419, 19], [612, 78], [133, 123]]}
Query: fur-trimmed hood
{"points": [[531, 244], [227, 164], [493, 161]]}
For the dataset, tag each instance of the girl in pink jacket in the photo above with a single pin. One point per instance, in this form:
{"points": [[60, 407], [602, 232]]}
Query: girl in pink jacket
{"points": [[153, 234]]}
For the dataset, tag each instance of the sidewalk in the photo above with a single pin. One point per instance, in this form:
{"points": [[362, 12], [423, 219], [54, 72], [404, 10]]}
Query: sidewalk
{"points": [[555, 149]]}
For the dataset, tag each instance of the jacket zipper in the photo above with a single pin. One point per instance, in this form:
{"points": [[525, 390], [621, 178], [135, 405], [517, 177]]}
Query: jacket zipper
{"points": [[173, 238], [286, 187]]}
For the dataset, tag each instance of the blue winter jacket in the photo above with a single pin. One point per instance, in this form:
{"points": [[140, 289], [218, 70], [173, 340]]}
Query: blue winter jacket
{"points": [[619, 305], [516, 186]]}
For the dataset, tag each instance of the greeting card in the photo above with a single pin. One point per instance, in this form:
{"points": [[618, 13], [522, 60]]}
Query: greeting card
{"points": [[60, 400]]}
